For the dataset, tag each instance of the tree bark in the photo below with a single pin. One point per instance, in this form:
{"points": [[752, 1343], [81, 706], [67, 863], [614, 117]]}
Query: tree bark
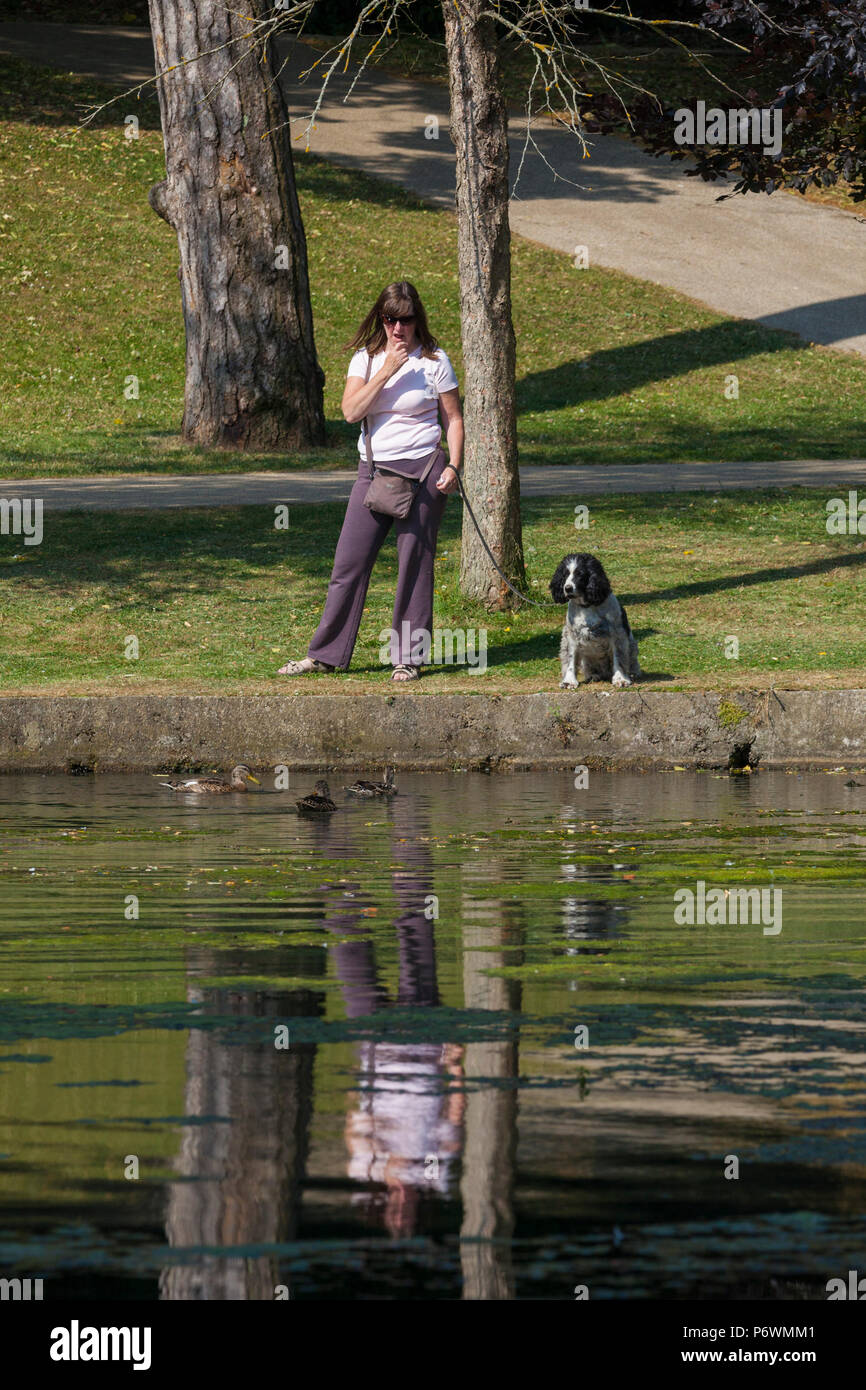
{"points": [[252, 378], [479, 129]]}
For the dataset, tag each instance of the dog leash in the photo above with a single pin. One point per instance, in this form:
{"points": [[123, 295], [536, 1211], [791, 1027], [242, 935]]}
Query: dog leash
{"points": [[524, 597]]}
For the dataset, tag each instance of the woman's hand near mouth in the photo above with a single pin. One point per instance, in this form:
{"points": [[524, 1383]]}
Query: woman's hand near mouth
{"points": [[396, 356]]}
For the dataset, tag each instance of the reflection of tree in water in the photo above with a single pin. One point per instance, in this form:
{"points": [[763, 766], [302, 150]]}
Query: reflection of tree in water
{"points": [[490, 1150], [241, 1171]]}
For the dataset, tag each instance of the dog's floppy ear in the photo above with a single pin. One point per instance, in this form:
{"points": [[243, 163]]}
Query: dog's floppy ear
{"points": [[557, 582], [597, 586]]}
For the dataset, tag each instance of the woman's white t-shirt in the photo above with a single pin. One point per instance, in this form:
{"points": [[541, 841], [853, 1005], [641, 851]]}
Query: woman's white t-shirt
{"points": [[404, 420]]}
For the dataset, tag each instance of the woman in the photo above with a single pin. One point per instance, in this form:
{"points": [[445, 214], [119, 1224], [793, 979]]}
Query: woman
{"points": [[400, 380]]}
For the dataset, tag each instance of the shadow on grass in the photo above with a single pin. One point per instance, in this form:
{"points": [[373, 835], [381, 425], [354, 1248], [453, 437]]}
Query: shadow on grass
{"points": [[158, 556], [164, 453], [41, 95], [157, 561], [697, 587], [336, 183], [693, 441], [542, 647], [612, 371]]}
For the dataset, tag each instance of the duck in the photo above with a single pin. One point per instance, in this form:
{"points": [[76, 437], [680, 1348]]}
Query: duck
{"points": [[384, 788], [318, 803], [216, 786]]}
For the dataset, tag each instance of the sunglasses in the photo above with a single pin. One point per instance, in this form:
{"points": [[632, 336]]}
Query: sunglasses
{"points": [[400, 318]]}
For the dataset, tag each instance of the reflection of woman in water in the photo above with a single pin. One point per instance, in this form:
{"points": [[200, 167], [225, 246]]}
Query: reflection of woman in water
{"points": [[406, 1131]]}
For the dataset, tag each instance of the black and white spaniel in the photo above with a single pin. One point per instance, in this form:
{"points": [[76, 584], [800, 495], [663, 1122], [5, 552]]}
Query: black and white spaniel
{"points": [[597, 642]]}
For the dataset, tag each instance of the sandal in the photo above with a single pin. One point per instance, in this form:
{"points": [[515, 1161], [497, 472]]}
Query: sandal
{"points": [[304, 667], [409, 673]]}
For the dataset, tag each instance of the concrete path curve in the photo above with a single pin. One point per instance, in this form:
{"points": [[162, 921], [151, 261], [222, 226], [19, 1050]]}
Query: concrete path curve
{"points": [[576, 481], [780, 260]]}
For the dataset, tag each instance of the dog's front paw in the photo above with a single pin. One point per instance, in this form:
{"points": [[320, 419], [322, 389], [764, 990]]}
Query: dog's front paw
{"points": [[568, 684], [620, 679]]}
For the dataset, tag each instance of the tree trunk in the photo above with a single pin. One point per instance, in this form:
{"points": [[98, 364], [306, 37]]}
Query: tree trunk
{"points": [[252, 378], [479, 129]]}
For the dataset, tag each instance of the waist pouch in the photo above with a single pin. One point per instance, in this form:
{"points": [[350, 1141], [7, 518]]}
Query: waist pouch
{"points": [[392, 493]]}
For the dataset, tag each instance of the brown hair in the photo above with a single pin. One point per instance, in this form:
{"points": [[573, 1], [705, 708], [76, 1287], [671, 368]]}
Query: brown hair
{"points": [[395, 301]]}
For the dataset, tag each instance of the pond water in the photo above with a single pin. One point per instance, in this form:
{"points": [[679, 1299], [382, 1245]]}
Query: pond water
{"points": [[459, 1044]]}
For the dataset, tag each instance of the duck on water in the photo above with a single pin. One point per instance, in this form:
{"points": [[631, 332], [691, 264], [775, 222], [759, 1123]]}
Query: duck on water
{"points": [[216, 786]]}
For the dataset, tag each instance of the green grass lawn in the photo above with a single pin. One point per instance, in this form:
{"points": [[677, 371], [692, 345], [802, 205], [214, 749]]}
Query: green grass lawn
{"points": [[218, 599], [610, 369]]}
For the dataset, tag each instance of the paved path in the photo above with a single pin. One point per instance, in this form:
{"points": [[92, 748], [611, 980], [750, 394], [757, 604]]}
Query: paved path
{"points": [[787, 263], [578, 481]]}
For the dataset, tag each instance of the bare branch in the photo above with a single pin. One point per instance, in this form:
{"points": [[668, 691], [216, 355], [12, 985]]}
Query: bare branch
{"points": [[544, 28]]}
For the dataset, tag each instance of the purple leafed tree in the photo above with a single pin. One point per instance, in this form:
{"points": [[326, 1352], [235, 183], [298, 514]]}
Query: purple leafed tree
{"points": [[815, 54]]}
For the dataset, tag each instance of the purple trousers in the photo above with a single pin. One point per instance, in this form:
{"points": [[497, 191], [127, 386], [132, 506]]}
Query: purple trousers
{"points": [[360, 542]]}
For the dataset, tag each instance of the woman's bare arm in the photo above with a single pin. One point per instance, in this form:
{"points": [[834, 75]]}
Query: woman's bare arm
{"points": [[359, 395], [452, 418]]}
